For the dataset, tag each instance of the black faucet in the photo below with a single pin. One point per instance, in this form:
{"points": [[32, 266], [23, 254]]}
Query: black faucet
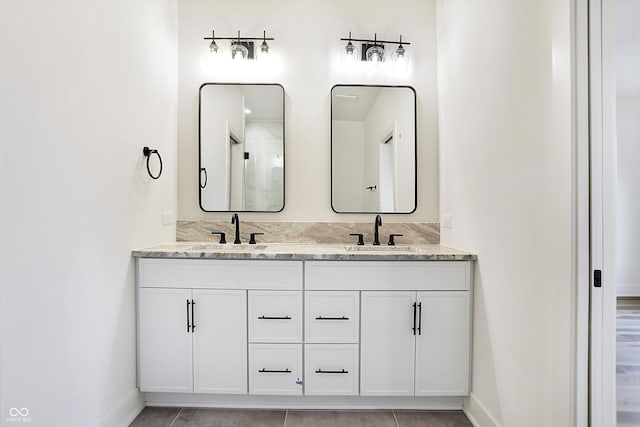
{"points": [[235, 220], [376, 236]]}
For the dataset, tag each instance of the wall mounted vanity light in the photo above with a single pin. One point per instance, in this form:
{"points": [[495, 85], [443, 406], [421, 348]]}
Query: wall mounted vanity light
{"points": [[241, 48], [374, 51]]}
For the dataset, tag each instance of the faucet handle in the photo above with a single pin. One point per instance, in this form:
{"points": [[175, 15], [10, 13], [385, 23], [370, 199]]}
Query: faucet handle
{"points": [[252, 238], [222, 236], [391, 241], [360, 238]]}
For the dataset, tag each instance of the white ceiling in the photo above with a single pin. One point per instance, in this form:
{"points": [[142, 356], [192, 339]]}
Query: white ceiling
{"points": [[346, 107], [264, 101]]}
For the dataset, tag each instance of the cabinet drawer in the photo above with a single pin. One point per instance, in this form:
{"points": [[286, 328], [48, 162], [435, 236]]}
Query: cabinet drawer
{"points": [[388, 275], [275, 369], [331, 369], [275, 316], [332, 317], [219, 274]]}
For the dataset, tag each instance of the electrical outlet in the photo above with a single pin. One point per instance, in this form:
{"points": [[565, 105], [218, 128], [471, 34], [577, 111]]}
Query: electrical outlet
{"points": [[167, 218], [446, 221]]}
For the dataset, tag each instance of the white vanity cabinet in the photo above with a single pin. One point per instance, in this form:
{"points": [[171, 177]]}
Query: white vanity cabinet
{"points": [[315, 329], [192, 321], [415, 323], [193, 340], [415, 343]]}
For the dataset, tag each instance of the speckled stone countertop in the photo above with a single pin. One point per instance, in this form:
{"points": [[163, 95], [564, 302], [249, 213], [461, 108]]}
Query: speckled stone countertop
{"points": [[302, 251]]}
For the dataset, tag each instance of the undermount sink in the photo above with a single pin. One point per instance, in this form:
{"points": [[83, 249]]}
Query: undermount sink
{"points": [[227, 247], [381, 248]]}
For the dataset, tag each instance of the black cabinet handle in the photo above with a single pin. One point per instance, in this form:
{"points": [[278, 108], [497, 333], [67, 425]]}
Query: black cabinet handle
{"points": [[188, 324], [414, 318], [419, 318], [320, 371], [193, 322], [332, 318], [274, 371], [274, 317]]}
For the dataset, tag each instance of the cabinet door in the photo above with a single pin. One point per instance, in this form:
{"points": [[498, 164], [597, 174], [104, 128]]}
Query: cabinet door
{"points": [[164, 342], [220, 341], [387, 343], [442, 345]]}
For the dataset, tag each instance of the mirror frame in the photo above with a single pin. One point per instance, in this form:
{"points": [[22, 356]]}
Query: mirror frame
{"points": [[415, 145], [199, 170]]}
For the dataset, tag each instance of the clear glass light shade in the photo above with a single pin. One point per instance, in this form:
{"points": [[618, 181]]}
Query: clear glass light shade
{"points": [[213, 47], [351, 55], [375, 54], [239, 52], [400, 57], [264, 48], [213, 55]]}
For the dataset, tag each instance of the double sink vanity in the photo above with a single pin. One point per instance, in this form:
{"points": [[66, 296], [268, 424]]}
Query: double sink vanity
{"points": [[240, 324], [305, 325]]}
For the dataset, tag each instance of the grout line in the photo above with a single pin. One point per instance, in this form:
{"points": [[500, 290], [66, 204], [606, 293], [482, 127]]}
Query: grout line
{"points": [[176, 417], [395, 418], [286, 413]]}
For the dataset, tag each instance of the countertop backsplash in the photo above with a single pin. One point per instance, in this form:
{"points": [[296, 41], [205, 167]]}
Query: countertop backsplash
{"points": [[308, 232]]}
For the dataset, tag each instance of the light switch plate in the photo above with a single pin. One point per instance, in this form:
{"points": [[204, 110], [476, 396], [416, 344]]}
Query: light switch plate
{"points": [[167, 218], [446, 221]]}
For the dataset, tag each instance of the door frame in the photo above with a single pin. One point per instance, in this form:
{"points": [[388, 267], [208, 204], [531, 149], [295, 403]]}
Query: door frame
{"points": [[594, 213]]}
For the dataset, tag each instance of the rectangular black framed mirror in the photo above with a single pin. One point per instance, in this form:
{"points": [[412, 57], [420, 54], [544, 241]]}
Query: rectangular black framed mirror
{"points": [[241, 147], [373, 149]]}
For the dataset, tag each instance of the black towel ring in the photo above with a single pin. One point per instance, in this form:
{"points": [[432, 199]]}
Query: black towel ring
{"points": [[147, 153], [205, 177]]}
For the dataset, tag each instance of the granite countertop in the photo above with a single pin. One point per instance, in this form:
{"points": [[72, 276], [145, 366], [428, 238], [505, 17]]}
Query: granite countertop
{"points": [[304, 251]]}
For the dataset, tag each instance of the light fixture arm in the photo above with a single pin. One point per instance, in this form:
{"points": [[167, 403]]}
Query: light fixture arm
{"points": [[238, 38], [375, 40]]}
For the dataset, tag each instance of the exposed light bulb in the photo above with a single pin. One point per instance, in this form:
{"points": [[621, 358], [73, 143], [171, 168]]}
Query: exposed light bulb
{"points": [[350, 56], [239, 52], [213, 47]]}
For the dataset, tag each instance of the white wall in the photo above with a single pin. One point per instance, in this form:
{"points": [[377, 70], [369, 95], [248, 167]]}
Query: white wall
{"points": [[216, 150], [393, 108], [307, 62], [84, 85], [350, 196], [505, 153], [628, 135]]}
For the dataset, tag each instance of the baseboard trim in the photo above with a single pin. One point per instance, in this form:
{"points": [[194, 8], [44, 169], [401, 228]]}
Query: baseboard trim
{"points": [[302, 402], [478, 413], [628, 290], [125, 411]]}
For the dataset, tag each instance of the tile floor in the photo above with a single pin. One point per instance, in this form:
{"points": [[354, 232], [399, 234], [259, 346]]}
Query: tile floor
{"points": [[201, 417], [628, 362]]}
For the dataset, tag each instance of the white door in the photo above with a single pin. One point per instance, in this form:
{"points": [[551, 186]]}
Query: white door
{"points": [[602, 389], [220, 341], [387, 343], [164, 341], [442, 344]]}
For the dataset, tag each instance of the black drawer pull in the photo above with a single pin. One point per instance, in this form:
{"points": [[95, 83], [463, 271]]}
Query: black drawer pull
{"points": [[332, 318], [193, 322], [274, 317], [320, 371], [415, 306], [419, 318], [188, 324], [276, 371]]}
